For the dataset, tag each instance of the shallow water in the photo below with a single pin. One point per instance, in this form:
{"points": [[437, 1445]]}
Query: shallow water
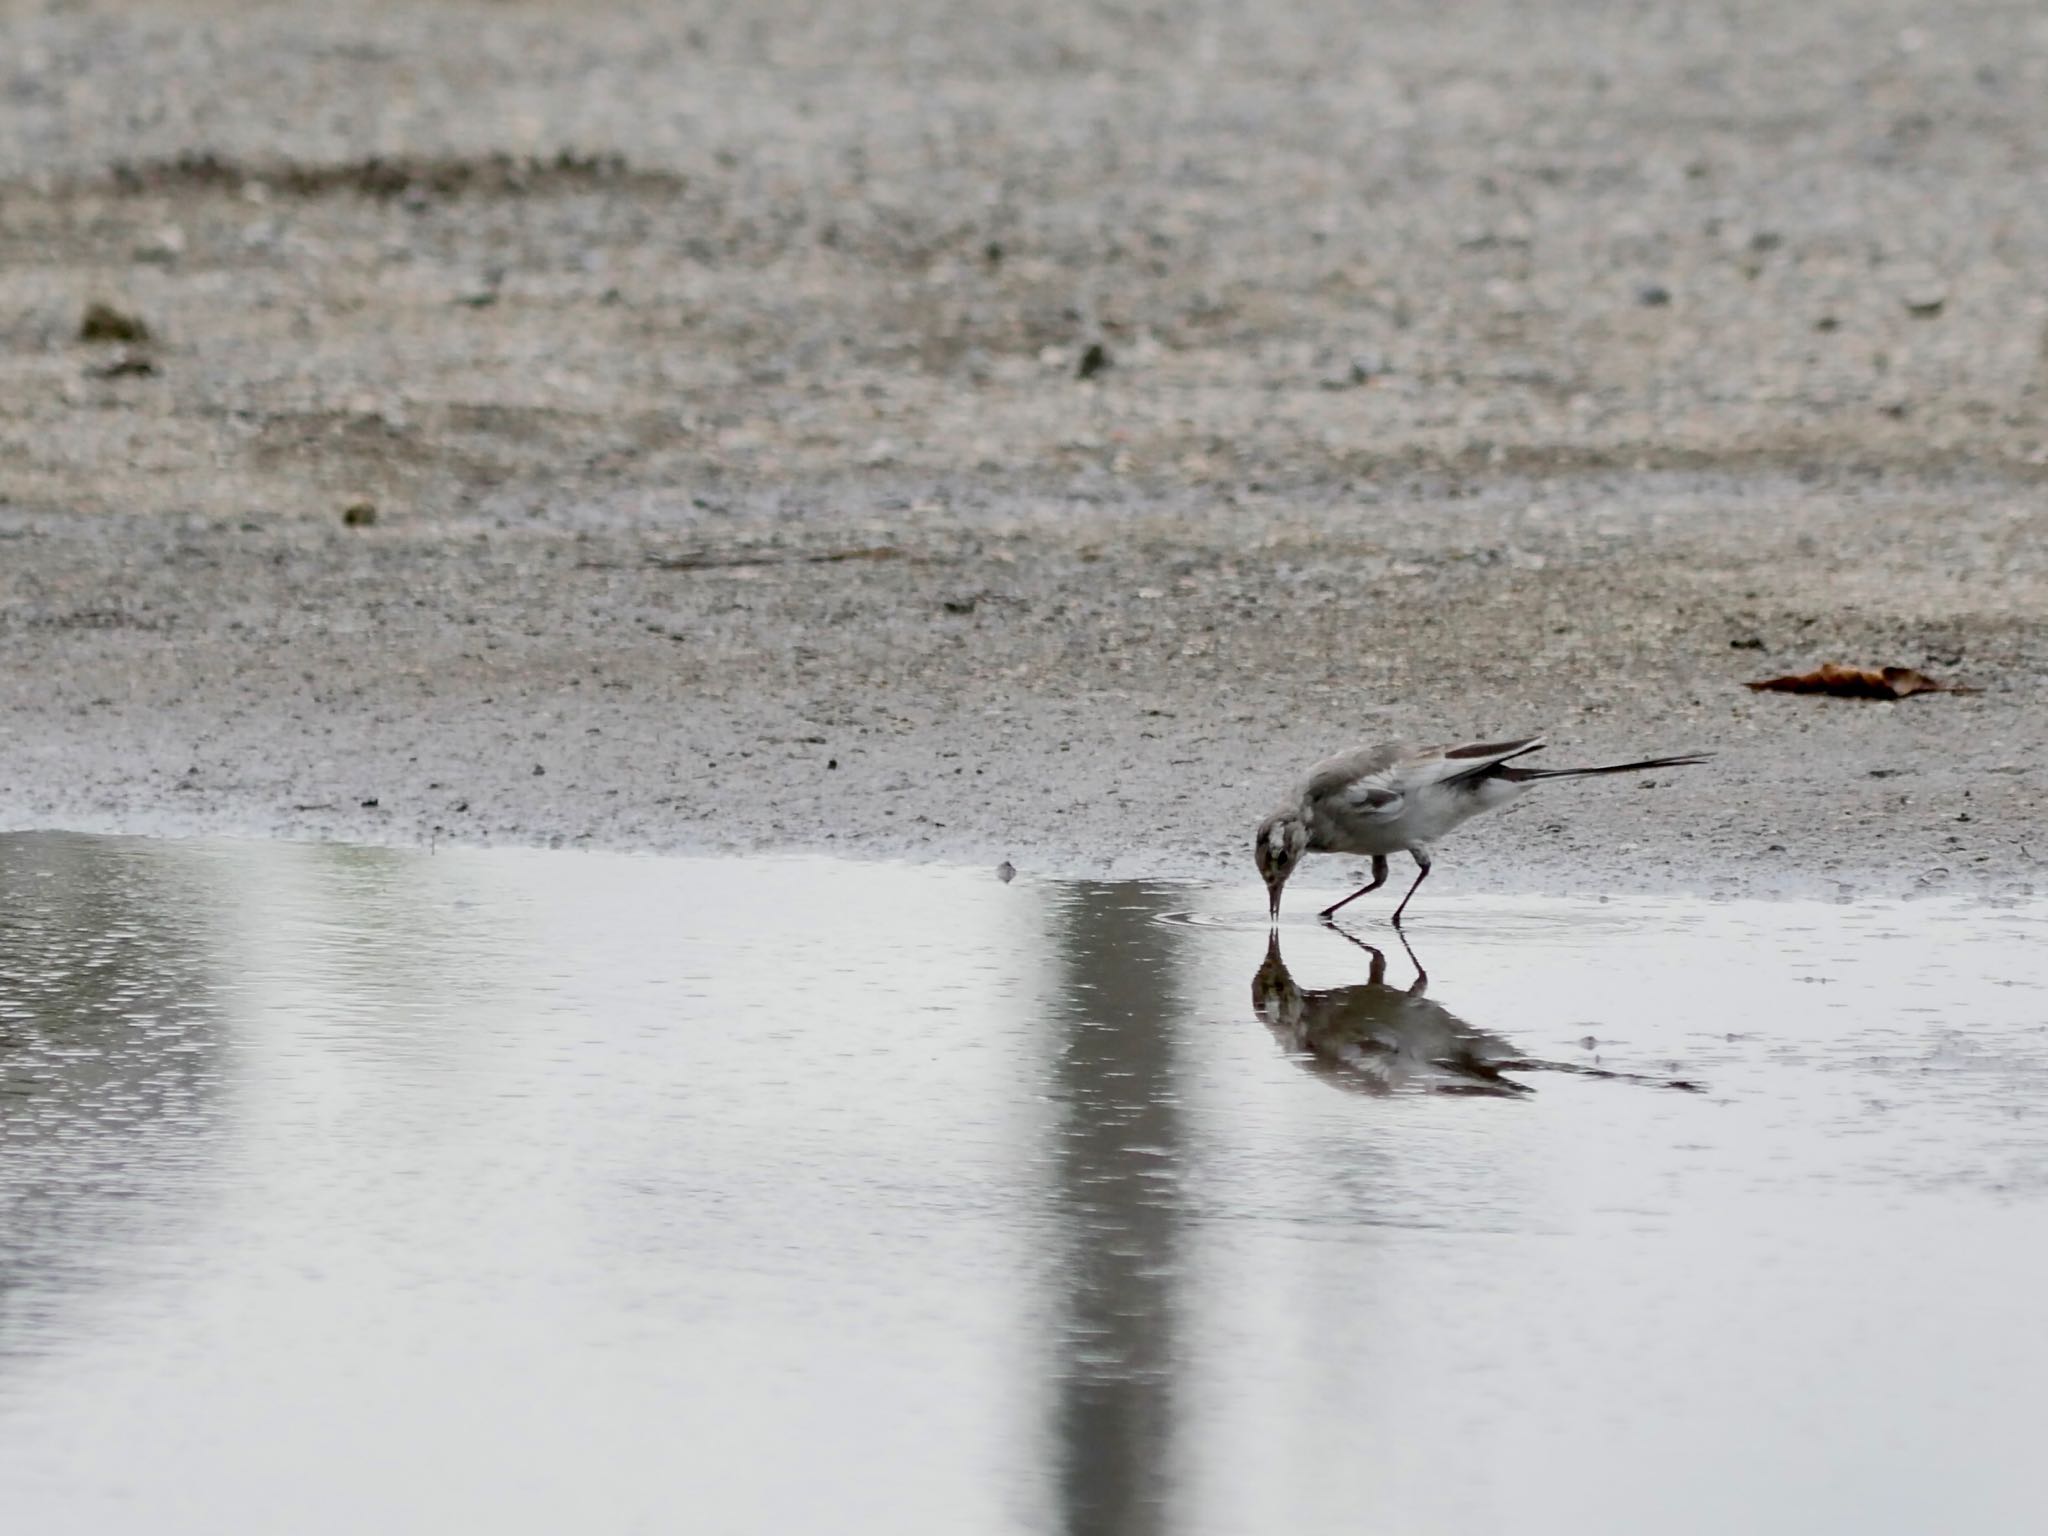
{"points": [[348, 1190]]}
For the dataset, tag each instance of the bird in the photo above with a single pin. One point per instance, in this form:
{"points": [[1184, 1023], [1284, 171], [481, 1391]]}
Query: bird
{"points": [[1392, 798]]}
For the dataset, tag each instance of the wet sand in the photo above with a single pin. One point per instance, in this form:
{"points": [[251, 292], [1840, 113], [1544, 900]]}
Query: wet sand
{"points": [[716, 379]]}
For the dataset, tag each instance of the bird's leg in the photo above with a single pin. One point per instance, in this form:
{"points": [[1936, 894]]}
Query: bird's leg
{"points": [[1421, 856], [1421, 976], [1378, 975], [1379, 878]]}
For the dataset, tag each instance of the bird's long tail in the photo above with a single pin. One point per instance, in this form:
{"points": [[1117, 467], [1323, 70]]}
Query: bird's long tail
{"points": [[1523, 775]]}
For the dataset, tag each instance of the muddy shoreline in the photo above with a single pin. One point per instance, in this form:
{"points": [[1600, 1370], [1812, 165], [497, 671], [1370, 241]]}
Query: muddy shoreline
{"points": [[930, 684], [946, 437]]}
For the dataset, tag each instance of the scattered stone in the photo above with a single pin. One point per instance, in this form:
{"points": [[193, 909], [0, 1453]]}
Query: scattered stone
{"points": [[1006, 871], [1827, 323], [831, 763], [369, 804], [963, 604], [162, 248], [1093, 361], [1653, 295], [359, 514], [1925, 300], [129, 365], [485, 293], [1920, 287], [539, 772], [103, 322], [1361, 370]]}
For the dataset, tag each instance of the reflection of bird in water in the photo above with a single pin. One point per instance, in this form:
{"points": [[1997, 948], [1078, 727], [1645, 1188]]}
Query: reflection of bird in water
{"points": [[1377, 1038]]}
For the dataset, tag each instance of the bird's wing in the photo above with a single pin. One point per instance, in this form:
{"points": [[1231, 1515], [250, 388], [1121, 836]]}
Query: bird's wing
{"points": [[1436, 765], [1371, 801], [1361, 765], [1356, 787]]}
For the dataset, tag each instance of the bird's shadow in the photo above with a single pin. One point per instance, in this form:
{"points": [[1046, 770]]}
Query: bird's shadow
{"points": [[1376, 1038]]}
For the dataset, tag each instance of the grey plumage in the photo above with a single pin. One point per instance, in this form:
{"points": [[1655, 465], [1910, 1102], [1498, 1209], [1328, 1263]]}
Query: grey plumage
{"points": [[1376, 1038], [1386, 799]]}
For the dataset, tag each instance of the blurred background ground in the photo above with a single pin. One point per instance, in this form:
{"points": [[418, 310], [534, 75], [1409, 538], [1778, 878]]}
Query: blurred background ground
{"points": [[1065, 419]]}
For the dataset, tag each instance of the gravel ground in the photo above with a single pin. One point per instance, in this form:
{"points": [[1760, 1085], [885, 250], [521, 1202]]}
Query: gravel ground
{"points": [[977, 430]]}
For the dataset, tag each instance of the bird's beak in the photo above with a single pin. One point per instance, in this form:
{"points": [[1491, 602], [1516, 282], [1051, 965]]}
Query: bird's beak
{"points": [[1274, 892]]}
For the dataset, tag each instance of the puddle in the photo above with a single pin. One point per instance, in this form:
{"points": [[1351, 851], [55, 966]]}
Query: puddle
{"points": [[345, 1190]]}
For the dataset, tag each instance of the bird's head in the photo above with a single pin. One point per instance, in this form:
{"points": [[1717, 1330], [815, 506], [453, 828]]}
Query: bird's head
{"points": [[1275, 998], [1281, 841]]}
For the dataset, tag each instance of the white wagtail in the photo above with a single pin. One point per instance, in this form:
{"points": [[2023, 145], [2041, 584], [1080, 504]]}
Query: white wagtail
{"points": [[1393, 799]]}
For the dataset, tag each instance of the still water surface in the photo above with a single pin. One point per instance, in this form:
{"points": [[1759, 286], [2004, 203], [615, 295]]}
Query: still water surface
{"points": [[348, 1190]]}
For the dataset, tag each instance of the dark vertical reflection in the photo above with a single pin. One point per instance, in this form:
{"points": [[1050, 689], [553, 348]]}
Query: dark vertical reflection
{"points": [[109, 1058], [1118, 1160]]}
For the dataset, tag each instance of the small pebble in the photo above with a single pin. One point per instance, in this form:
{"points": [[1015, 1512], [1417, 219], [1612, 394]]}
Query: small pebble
{"points": [[164, 247], [129, 365], [1925, 300]]}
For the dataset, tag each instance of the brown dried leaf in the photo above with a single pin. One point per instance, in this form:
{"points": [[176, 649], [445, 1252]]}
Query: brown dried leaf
{"points": [[1859, 683]]}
